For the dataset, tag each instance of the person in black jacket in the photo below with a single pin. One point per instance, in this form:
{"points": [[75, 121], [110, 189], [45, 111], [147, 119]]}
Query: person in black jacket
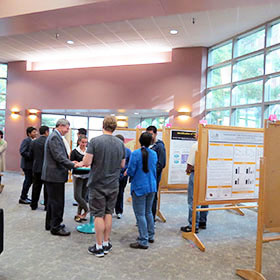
{"points": [[26, 163], [159, 148], [37, 154], [80, 179]]}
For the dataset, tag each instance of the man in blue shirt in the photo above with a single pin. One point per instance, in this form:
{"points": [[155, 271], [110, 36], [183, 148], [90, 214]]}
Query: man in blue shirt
{"points": [[159, 148]]}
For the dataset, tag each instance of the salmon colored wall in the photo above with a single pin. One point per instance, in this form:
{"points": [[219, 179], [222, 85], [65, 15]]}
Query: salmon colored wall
{"points": [[152, 86]]}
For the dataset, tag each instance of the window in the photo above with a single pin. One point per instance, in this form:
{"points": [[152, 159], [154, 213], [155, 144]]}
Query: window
{"points": [[220, 54], [94, 133], [2, 119], [2, 101], [250, 43], [274, 34], [273, 110], [273, 61], [3, 86], [146, 122], [219, 76], [96, 123], [77, 121], [247, 93], [218, 117], [272, 89], [3, 91], [247, 117], [218, 98], [3, 70], [50, 120]]}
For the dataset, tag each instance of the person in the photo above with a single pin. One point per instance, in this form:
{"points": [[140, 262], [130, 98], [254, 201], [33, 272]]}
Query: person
{"points": [[82, 131], [3, 148], [159, 148], [55, 174], [80, 180], [201, 217], [122, 182], [37, 155], [26, 164], [106, 155], [142, 169]]}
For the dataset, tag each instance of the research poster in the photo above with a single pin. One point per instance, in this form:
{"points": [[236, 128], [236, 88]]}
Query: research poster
{"points": [[129, 137], [233, 164], [181, 142]]}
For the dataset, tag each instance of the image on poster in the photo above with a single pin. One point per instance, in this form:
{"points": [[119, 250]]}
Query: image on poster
{"points": [[181, 142], [233, 164], [129, 137]]}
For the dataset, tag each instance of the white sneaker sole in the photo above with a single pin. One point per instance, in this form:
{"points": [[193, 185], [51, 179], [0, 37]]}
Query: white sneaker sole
{"points": [[97, 255]]}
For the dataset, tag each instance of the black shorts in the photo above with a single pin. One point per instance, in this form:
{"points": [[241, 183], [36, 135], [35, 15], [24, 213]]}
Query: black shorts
{"points": [[102, 200]]}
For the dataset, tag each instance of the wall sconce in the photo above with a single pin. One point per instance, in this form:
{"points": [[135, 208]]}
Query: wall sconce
{"points": [[122, 121], [32, 114], [15, 112], [182, 114]]}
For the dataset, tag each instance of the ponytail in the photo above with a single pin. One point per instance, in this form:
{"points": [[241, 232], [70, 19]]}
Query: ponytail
{"points": [[145, 141], [145, 156]]}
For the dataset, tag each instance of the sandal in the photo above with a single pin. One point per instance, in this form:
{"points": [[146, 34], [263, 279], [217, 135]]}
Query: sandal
{"points": [[78, 219]]}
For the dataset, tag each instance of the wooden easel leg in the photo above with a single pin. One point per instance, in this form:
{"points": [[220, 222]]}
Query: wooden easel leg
{"points": [[161, 216], [249, 274], [194, 238], [240, 212]]}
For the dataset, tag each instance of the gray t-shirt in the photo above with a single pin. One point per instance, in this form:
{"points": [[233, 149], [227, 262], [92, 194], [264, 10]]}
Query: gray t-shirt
{"points": [[108, 152]]}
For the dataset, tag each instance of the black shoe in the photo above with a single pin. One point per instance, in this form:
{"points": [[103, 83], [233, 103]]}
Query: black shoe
{"points": [[137, 245], [108, 248], [61, 232], [47, 227], [33, 207], [75, 203], [24, 201], [93, 251], [189, 229], [202, 225], [151, 240]]}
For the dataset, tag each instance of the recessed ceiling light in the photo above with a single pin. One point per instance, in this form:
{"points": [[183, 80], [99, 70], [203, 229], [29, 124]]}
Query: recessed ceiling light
{"points": [[112, 114], [70, 42], [173, 31], [136, 113]]}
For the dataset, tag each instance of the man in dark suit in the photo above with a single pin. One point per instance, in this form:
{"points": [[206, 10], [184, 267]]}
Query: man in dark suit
{"points": [[55, 174], [26, 164], [37, 154]]}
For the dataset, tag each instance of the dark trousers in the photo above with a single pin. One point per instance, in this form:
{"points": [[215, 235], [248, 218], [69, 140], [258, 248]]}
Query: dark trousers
{"points": [[119, 203], [154, 207], [36, 191], [55, 208], [26, 183]]}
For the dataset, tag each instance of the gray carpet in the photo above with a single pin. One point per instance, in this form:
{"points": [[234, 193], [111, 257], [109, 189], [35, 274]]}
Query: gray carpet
{"points": [[33, 253]]}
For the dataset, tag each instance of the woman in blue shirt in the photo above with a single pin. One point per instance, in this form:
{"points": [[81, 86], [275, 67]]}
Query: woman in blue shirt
{"points": [[142, 170]]}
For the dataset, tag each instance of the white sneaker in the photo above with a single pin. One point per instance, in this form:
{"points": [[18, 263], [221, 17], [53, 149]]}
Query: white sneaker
{"points": [[119, 216]]}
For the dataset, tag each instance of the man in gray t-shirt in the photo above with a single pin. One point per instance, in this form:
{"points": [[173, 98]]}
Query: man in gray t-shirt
{"points": [[106, 155]]}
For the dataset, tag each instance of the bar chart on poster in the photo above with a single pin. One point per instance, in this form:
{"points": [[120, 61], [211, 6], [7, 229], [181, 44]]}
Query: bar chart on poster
{"points": [[233, 164]]}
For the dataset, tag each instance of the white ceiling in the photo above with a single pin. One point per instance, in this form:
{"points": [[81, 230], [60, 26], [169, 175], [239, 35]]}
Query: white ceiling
{"points": [[133, 36]]}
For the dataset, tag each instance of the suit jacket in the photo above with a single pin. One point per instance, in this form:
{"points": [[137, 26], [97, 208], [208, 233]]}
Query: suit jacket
{"points": [[37, 153], [26, 161], [56, 162]]}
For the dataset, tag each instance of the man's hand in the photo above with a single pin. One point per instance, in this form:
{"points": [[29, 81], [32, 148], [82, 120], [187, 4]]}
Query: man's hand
{"points": [[79, 164]]}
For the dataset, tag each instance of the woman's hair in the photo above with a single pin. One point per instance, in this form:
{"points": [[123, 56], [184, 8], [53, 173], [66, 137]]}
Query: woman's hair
{"points": [[1, 134], [145, 141], [81, 137]]}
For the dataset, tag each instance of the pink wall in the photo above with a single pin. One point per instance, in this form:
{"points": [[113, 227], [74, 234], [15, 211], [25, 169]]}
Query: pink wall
{"points": [[152, 86]]}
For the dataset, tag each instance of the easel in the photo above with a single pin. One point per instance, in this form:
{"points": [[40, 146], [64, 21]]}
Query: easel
{"points": [[200, 182], [269, 209]]}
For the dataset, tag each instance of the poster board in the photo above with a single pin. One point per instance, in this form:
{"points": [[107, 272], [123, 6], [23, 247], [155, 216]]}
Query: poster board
{"points": [[272, 176], [129, 135], [178, 142], [228, 164]]}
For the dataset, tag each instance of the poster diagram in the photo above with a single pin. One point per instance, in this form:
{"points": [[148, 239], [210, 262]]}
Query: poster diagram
{"points": [[181, 142], [129, 137], [233, 165]]}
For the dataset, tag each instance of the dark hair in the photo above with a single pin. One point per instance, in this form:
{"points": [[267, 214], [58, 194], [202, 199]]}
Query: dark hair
{"points": [[1, 134], [82, 131], [145, 141], [43, 129], [29, 130], [120, 137], [152, 128], [81, 137]]}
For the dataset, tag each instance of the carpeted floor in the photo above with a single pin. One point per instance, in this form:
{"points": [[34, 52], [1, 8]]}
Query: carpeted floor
{"points": [[31, 253]]}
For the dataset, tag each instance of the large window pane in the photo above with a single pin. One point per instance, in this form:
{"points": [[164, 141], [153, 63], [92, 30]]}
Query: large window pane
{"points": [[248, 68], [272, 89], [2, 119], [247, 117], [3, 86], [3, 70], [274, 35], [77, 122], [273, 62], [250, 43], [94, 133], [96, 123], [50, 120], [273, 110], [2, 101], [218, 98], [219, 76], [220, 54], [218, 117], [247, 93], [146, 122]]}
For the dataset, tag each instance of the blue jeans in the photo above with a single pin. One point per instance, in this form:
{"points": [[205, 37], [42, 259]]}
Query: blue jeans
{"points": [[201, 217], [142, 206]]}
